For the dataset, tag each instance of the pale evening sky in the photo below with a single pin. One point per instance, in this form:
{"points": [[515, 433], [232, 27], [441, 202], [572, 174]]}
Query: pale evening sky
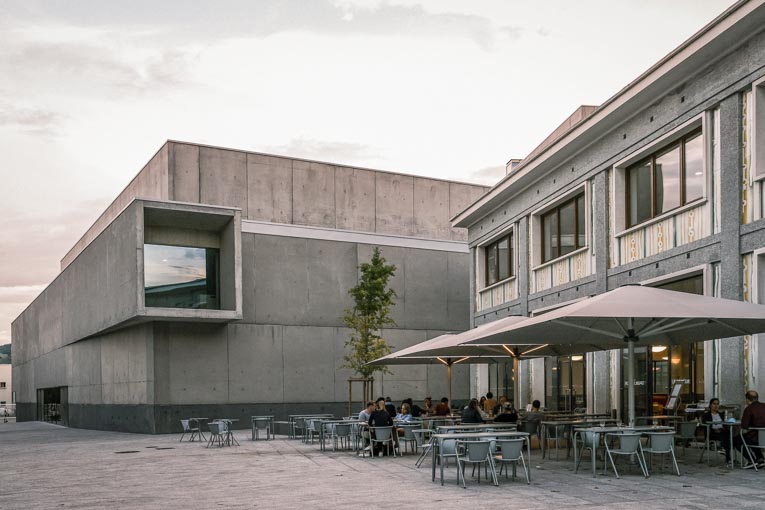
{"points": [[445, 88]]}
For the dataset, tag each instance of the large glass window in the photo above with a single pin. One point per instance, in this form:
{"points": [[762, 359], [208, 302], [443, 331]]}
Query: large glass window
{"points": [[499, 260], [563, 229], [666, 180], [181, 277], [565, 383]]}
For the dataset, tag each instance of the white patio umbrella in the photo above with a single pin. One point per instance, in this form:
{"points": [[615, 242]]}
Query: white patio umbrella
{"points": [[633, 315], [450, 349]]}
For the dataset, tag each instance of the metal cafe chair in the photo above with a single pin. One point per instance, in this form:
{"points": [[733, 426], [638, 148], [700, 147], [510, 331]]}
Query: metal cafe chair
{"points": [[188, 428], [383, 436], [746, 447], [510, 452], [477, 453], [625, 443], [217, 433], [585, 440], [662, 443]]}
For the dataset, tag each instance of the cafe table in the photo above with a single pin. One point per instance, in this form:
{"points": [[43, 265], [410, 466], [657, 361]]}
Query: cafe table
{"points": [[482, 427], [436, 440], [598, 432], [664, 418], [565, 426]]}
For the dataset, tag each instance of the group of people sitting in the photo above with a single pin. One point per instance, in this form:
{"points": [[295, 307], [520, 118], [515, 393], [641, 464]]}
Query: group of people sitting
{"points": [[480, 411], [752, 417]]}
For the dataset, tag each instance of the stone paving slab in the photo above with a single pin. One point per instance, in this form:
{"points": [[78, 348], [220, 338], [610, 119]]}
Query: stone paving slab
{"points": [[49, 466]]}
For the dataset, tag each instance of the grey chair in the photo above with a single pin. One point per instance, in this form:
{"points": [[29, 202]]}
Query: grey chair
{"points": [[584, 440], [217, 433], [409, 438], [746, 447], [422, 435], [341, 436], [626, 443], [189, 428], [686, 433], [382, 436], [261, 425], [510, 452], [661, 443], [477, 453]]}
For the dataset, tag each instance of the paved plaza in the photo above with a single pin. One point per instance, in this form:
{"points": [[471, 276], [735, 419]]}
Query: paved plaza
{"points": [[49, 466]]}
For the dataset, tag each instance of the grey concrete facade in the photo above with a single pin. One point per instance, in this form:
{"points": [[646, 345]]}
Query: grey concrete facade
{"points": [[291, 234], [712, 82]]}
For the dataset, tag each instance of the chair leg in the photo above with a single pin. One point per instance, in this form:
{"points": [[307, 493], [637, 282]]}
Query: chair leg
{"points": [[612, 463]]}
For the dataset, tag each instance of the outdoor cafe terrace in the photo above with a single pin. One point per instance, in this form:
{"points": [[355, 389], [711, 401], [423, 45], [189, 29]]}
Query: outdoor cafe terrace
{"points": [[45, 465]]}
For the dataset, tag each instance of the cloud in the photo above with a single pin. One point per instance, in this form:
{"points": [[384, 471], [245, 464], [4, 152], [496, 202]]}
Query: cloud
{"points": [[489, 175], [29, 120], [197, 20], [308, 148]]}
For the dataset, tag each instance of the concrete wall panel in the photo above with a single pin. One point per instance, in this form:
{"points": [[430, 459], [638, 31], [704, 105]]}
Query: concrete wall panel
{"points": [[85, 384], [197, 363], [355, 199], [313, 192], [431, 209], [281, 280], [394, 204], [426, 289], [126, 370], [331, 273], [308, 356], [184, 172], [458, 292], [223, 178], [460, 197], [269, 188], [257, 364]]}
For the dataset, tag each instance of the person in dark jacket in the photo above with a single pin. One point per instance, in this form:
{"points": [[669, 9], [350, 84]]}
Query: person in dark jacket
{"points": [[380, 418], [470, 414], [443, 408], [715, 418], [390, 407], [754, 416], [508, 415]]}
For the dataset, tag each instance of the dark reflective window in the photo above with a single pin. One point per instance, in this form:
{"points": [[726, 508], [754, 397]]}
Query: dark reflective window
{"points": [[668, 179], [499, 260], [563, 229], [181, 277]]}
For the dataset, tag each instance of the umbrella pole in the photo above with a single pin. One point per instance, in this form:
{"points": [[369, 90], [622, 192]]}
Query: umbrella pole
{"points": [[631, 372], [449, 376]]}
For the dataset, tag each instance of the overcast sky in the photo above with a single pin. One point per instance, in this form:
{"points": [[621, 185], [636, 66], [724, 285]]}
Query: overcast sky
{"points": [[444, 88]]}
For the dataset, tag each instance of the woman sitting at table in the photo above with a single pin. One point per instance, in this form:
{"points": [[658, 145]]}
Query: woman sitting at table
{"points": [[716, 430], [381, 418], [471, 414], [405, 414]]}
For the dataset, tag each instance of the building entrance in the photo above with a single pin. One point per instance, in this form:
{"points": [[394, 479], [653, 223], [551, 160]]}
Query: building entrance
{"points": [[52, 405], [565, 383]]}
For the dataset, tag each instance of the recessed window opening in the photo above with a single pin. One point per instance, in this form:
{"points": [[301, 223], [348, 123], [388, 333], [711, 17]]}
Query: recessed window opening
{"points": [[499, 259], [181, 277], [667, 179], [563, 229]]}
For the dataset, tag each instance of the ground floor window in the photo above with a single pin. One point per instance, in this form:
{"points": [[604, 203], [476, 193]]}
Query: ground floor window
{"points": [[52, 405], [502, 380], [565, 378]]}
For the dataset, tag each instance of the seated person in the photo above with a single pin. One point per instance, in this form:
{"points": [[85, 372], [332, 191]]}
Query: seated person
{"points": [[443, 408], [470, 414], [416, 410], [390, 407], [716, 430], [366, 413], [753, 416], [427, 407], [508, 415], [501, 405], [381, 418], [533, 418], [489, 404], [405, 414]]}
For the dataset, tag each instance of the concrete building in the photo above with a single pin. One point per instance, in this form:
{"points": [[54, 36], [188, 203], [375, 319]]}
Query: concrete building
{"points": [[215, 284], [660, 185]]}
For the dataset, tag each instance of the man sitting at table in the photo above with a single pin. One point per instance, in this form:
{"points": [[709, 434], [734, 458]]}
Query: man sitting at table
{"points": [[534, 418], [443, 408], [489, 404], [366, 413], [381, 418], [754, 416], [416, 410], [508, 415], [501, 405]]}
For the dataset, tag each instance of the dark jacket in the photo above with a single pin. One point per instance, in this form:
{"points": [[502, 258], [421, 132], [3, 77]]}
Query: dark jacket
{"points": [[707, 418], [471, 416], [511, 417], [416, 411], [391, 409], [380, 419], [754, 416]]}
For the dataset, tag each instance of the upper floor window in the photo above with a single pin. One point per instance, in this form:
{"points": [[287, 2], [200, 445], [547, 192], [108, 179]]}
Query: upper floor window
{"points": [[499, 260], [2, 384], [665, 180], [181, 277], [563, 229]]}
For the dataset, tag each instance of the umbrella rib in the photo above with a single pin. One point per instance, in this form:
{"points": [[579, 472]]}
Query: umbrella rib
{"points": [[593, 330], [734, 328], [674, 326]]}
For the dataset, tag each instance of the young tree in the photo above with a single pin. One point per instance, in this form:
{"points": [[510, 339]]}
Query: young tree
{"points": [[371, 312]]}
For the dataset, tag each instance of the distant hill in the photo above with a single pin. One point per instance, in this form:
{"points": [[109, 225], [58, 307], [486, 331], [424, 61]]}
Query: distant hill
{"points": [[5, 354]]}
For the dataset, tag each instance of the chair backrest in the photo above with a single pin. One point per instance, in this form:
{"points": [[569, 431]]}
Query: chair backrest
{"points": [[185, 425], [343, 429], [476, 450], [661, 442], [687, 429], [588, 438], [529, 427], [382, 433], [629, 442], [216, 427], [261, 423], [449, 447], [510, 449], [760, 436], [409, 432]]}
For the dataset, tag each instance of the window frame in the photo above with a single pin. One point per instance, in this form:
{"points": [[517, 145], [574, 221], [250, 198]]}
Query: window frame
{"points": [[556, 210], [509, 237], [677, 143]]}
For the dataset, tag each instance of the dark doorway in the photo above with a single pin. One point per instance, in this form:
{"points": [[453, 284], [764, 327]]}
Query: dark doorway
{"points": [[52, 405]]}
